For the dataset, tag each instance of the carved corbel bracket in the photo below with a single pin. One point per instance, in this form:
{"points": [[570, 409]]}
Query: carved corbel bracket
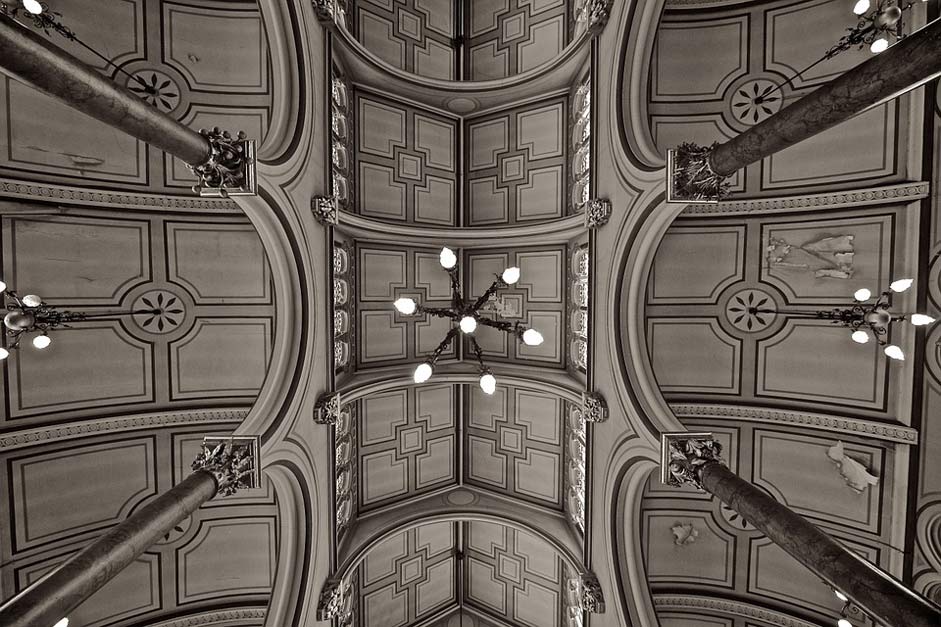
{"points": [[229, 170], [683, 456], [592, 597], [324, 9], [690, 177], [326, 210], [594, 407], [233, 461], [335, 602], [597, 12], [327, 409], [597, 213]]}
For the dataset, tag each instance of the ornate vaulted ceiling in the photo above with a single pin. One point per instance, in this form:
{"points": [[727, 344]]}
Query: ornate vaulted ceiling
{"points": [[437, 505]]}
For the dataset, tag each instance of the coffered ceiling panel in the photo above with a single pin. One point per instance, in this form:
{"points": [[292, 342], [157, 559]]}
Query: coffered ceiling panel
{"points": [[209, 275], [714, 74], [169, 54], [100, 480], [704, 343], [694, 544]]}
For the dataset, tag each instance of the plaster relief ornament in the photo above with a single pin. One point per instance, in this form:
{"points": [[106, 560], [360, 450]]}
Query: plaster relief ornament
{"points": [[231, 461], [687, 456], [829, 257], [684, 534], [854, 473]]}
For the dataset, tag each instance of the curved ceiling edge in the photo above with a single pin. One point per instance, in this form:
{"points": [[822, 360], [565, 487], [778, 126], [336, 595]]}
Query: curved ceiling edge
{"points": [[284, 47], [551, 231], [367, 69], [637, 38], [232, 615], [727, 607]]}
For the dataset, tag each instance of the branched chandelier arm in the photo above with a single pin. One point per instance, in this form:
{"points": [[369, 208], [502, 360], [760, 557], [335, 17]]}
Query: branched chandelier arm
{"points": [[498, 284]]}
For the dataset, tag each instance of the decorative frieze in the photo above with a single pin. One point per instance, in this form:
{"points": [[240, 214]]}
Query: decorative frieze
{"points": [[325, 210], [597, 212], [233, 461], [594, 407], [327, 409], [230, 168], [683, 456]]}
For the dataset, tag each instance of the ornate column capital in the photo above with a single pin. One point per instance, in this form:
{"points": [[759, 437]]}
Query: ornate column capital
{"points": [[335, 602], [230, 168], [327, 408], [233, 461], [690, 177], [594, 407], [323, 9], [597, 12], [325, 209], [683, 456], [592, 598], [597, 213]]}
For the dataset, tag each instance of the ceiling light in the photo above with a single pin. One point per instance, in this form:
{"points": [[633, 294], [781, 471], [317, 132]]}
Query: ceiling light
{"points": [[860, 337], [42, 341], [4, 353], [31, 300], [894, 352], [511, 275], [3, 286], [488, 383], [468, 324], [423, 372], [62, 623], [920, 320], [879, 45], [900, 285], [862, 295], [447, 258], [532, 337], [844, 623], [841, 596], [861, 7], [405, 306], [34, 7]]}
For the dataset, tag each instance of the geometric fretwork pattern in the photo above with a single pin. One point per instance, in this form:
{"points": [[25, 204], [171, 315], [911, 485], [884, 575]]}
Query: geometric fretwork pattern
{"points": [[512, 575], [537, 300], [407, 443], [511, 36], [413, 35], [517, 161], [514, 443], [407, 578], [406, 162]]}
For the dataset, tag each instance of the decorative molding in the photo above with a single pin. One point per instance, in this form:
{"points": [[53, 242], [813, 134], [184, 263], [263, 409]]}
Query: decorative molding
{"points": [[684, 454], [325, 210], [814, 202], [44, 435], [233, 461], [598, 13], [684, 533], [46, 192], [732, 608], [690, 177], [335, 602], [229, 169], [597, 213], [854, 473], [219, 617], [594, 407], [592, 598], [852, 426], [323, 9], [327, 409]]}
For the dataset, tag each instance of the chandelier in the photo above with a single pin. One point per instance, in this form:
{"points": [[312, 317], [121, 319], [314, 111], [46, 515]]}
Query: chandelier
{"points": [[465, 317], [874, 28], [862, 317], [30, 314]]}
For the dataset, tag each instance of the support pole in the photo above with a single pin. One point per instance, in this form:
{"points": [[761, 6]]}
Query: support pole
{"points": [[696, 173], [223, 467], [224, 165], [693, 458]]}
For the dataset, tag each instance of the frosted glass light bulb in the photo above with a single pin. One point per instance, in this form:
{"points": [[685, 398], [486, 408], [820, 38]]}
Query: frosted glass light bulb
{"points": [[3, 286], [900, 285], [405, 306], [894, 352], [488, 383], [511, 275], [532, 337], [423, 372], [879, 45], [841, 596], [843, 623], [860, 337], [468, 324], [35, 8], [861, 7], [62, 623], [447, 258], [42, 341], [31, 300], [862, 295], [4, 353], [920, 320]]}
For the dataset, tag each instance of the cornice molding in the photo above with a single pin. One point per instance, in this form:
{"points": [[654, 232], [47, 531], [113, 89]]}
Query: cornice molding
{"points": [[43, 435], [49, 192], [734, 608], [835, 424], [813, 202], [215, 618]]}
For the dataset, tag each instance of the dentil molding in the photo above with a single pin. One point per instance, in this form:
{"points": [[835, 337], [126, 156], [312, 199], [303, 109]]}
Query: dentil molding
{"points": [[220, 617], [723, 606]]}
